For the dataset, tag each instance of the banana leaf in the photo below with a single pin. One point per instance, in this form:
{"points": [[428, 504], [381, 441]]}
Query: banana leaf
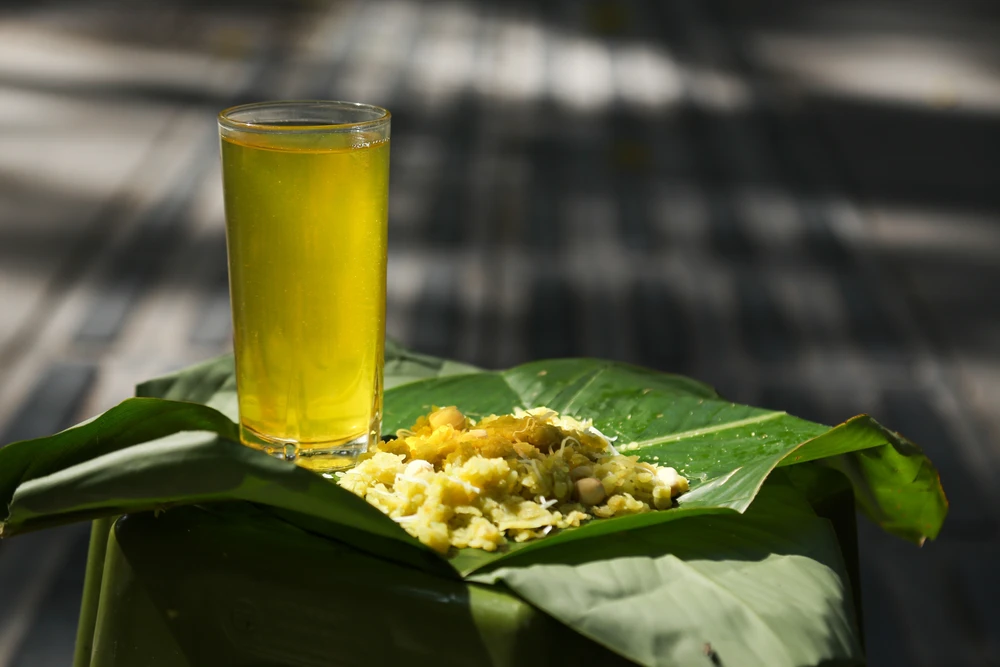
{"points": [[744, 559]]}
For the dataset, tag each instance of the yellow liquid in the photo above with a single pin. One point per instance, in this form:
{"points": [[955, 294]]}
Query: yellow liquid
{"points": [[306, 233]]}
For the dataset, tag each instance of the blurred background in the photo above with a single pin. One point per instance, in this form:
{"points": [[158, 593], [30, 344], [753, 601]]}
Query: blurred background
{"points": [[798, 203]]}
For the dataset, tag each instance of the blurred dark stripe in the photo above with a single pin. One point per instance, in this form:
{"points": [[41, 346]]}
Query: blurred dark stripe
{"points": [[53, 403], [979, 579], [543, 230], [871, 325], [886, 641], [797, 401], [213, 322], [662, 329], [921, 587], [436, 318], [634, 227], [51, 640], [600, 338], [447, 226], [552, 328], [727, 236], [766, 331]]}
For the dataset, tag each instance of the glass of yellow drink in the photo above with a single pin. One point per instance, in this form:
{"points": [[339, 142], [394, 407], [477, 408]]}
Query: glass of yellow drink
{"points": [[306, 192]]}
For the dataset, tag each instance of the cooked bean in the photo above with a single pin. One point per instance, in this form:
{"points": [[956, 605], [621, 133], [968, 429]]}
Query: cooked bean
{"points": [[449, 415], [590, 491]]}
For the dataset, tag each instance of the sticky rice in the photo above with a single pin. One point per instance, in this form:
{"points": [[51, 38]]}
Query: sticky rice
{"points": [[453, 482]]}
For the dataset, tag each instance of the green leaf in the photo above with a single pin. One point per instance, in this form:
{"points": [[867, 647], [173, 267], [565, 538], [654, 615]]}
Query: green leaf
{"points": [[766, 588], [199, 467], [211, 383], [403, 366], [726, 450], [766, 585], [134, 421]]}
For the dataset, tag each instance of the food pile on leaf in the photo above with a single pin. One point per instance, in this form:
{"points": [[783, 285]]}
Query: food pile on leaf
{"points": [[451, 481]]}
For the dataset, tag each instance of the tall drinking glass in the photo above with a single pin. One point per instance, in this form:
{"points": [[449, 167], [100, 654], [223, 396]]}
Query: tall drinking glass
{"points": [[306, 192]]}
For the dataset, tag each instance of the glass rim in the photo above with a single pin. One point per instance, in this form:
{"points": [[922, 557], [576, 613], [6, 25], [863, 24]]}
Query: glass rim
{"points": [[227, 121]]}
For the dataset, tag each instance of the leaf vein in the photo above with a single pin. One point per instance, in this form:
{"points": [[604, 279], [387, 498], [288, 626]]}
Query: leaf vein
{"points": [[694, 433], [582, 389]]}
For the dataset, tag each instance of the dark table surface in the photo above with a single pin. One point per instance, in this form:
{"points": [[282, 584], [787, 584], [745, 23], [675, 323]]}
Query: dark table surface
{"points": [[796, 202]]}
